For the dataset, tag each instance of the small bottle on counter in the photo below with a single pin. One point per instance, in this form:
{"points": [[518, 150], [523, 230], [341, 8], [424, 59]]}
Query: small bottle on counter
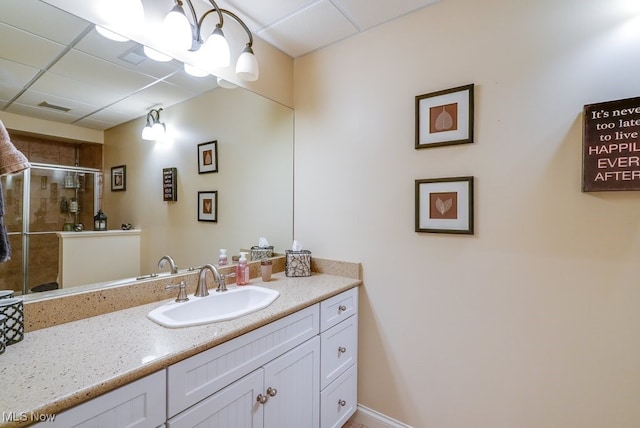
{"points": [[242, 270], [222, 258]]}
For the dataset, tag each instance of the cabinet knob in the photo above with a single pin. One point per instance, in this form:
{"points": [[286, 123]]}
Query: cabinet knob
{"points": [[261, 398], [342, 403], [271, 392], [342, 350], [342, 308]]}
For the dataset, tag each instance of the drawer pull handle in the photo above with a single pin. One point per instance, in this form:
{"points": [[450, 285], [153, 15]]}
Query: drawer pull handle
{"points": [[342, 308], [261, 398], [342, 350], [271, 392], [342, 403]]}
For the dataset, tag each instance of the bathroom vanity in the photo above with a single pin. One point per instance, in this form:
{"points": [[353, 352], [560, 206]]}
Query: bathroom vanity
{"points": [[293, 363]]}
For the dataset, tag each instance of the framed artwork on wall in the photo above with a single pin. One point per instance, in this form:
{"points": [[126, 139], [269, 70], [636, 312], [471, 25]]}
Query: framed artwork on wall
{"points": [[119, 178], [444, 205], [444, 117], [208, 157], [208, 206]]}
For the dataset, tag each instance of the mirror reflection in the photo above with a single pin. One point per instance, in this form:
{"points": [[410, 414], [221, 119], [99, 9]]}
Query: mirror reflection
{"points": [[254, 181]]}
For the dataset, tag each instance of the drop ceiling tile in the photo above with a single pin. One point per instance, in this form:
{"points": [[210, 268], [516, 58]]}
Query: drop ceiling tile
{"points": [[91, 70], [13, 74], [193, 84], [34, 98], [46, 114], [161, 94], [42, 19], [27, 48], [312, 28], [89, 93], [366, 15], [259, 14], [100, 47], [99, 122]]}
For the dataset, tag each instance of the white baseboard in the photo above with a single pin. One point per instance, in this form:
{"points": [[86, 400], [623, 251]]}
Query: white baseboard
{"points": [[372, 419]]}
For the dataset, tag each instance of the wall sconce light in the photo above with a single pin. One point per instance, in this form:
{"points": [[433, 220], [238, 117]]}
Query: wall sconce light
{"points": [[186, 35], [154, 129]]}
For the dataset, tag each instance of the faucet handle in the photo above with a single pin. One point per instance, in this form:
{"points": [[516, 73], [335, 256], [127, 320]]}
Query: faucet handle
{"points": [[182, 292], [222, 282]]}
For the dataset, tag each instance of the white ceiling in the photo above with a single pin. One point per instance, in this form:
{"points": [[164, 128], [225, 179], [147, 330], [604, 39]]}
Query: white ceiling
{"points": [[59, 59]]}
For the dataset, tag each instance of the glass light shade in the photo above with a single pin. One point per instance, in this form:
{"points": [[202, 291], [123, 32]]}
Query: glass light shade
{"points": [[158, 129], [226, 84], [194, 71], [155, 55], [122, 15], [247, 65], [176, 29], [110, 34], [147, 133], [216, 50]]}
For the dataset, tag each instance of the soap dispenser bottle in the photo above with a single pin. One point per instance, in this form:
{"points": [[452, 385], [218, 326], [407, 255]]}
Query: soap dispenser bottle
{"points": [[222, 258], [242, 270]]}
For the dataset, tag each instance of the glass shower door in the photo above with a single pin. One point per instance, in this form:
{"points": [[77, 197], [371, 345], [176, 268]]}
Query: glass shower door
{"points": [[47, 200]]}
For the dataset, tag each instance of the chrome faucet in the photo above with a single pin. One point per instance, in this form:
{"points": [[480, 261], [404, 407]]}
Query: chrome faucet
{"points": [[202, 290], [164, 260]]}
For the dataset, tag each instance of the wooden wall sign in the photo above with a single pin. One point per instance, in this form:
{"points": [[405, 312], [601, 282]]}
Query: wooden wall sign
{"points": [[611, 146], [170, 184]]}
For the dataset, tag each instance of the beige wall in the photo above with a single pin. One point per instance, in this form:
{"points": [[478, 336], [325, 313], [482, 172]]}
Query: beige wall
{"points": [[535, 320], [255, 166]]}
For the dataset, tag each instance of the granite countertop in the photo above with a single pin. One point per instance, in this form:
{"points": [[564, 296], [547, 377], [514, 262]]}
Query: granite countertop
{"points": [[58, 367]]}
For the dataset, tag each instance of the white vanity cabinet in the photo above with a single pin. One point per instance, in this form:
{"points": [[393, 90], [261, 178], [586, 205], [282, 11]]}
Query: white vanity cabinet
{"points": [[299, 371], [266, 378], [139, 404], [339, 356]]}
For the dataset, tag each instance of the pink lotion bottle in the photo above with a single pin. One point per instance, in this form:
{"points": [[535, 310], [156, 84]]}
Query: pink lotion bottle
{"points": [[242, 270]]}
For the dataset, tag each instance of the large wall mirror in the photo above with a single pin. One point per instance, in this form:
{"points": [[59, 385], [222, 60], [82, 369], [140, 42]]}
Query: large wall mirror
{"points": [[253, 135]]}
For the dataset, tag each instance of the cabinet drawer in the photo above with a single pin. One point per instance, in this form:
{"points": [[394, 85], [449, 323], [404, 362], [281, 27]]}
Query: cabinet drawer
{"points": [[338, 308], [338, 402], [338, 350], [140, 404], [197, 377]]}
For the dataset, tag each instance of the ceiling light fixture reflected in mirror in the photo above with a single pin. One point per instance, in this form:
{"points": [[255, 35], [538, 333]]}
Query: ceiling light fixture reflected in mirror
{"points": [[194, 71], [155, 55], [110, 34]]}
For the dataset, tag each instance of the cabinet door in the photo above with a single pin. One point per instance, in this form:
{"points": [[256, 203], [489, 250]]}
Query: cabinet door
{"points": [[234, 406], [140, 404], [292, 387]]}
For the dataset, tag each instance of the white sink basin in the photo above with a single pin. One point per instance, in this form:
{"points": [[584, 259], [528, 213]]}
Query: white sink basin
{"points": [[217, 306]]}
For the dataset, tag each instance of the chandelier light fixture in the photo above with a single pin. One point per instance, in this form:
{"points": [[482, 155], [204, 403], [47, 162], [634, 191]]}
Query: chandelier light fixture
{"points": [[186, 34], [183, 30], [154, 129]]}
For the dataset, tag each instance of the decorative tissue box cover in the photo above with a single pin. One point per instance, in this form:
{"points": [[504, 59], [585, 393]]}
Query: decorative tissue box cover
{"points": [[3, 336], [258, 253], [13, 310], [298, 263]]}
